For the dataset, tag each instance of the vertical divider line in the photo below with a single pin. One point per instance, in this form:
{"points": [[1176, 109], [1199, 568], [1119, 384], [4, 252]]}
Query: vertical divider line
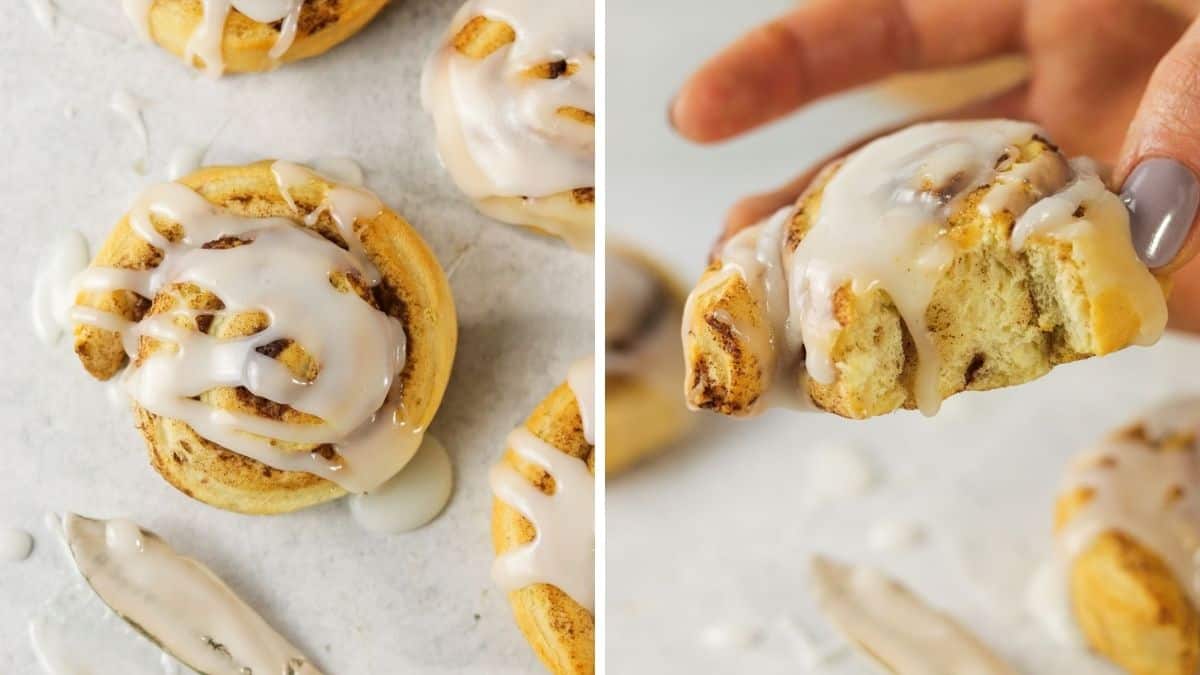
{"points": [[599, 280]]}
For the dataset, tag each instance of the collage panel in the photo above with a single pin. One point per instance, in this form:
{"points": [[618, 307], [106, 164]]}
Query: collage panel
{"points": [[938, 423], [308, 386]]}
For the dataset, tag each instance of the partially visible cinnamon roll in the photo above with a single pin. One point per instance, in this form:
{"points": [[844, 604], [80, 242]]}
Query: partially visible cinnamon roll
{"points": [[285, 339], [543, 526], [248, 35], [512, 93], [644, 405], [1127, 530]]}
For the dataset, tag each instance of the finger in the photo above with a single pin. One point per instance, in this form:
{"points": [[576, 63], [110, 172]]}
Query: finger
{"points": [[1161, 160], [756, 208], [831, 45]]}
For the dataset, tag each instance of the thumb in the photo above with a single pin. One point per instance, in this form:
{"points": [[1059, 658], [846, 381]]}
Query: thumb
{"points": [[1160, 161]]}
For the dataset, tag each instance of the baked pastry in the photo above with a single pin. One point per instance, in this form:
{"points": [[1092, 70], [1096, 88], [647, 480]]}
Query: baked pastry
{"points": [[285, 339], [543, 526], [248, 35], [1127, 528], [944, 257], [512, 93], [644, 406]]}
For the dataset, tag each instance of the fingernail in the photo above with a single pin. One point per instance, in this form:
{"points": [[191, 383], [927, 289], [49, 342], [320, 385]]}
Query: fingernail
{"points": [[1162, 196]]}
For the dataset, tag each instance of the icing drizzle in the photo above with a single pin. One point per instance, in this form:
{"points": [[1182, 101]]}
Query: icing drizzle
{"points": [[360, 350]]}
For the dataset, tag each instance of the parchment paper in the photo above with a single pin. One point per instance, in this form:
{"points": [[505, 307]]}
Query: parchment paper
{"points": [[356, 603]]}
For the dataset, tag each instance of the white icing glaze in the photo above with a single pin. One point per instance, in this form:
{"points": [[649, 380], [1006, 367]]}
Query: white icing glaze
{"points": [[499, 130], [581, 378], [881, 224], [411, 498], [890, 535], [1149, 494], [15, 544], [731, 635], [1048, 601], [45, 12], [53, 287], [184, 160], [835, 471], [129, 108], [896, 628], [341, 169], [563, 552], [186, 609], [361, 350], [205, 41]]}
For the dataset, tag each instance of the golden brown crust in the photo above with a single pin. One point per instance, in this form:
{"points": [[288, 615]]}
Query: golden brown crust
{"points": [[997, 318], [561, 632], [246, 43], [413, 289], [1128, 603]]}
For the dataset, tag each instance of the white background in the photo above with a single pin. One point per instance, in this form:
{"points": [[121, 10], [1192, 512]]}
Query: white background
{"points": [[356, 603], [715, 532]]}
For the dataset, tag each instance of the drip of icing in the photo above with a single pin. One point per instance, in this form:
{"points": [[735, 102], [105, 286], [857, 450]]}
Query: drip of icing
{"points": [[835, 472], [881, 224], [15, 545], [563, 551], [411, 498], [731, 636], [581, 378], [129, 108], [45, 12], [896, 628], [361, 350], [499, 129], [1150, 494], [894, 535], [184, 160], [206, 40], [53, 287], [177, 601]]}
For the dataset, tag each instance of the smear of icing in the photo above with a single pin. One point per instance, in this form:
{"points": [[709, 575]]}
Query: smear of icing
{"points": [[45, 12], [411, 498], [53, 287], [184, 160], [15, 544], [129, 108], [835, 471]]}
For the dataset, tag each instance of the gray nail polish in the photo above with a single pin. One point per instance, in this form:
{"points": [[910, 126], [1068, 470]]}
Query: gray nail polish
{"points": [[1162, 196]]}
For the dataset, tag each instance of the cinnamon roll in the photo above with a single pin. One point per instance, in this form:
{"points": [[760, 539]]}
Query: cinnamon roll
{"points": [[945, 257], [248, 35], [284, 339], [543, 526], [512, 93], [1127, 530], [644, 405]]}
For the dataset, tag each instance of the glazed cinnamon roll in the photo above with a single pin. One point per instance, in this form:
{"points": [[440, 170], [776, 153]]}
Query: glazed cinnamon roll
{"points": [[512, 93], [284, 339], [945, 257], [1127, 529], [644, 405], [248, 35], [543, 525]]}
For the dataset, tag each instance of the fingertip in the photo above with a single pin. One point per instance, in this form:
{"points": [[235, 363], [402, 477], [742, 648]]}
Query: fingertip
{"points": [[695, 112]]}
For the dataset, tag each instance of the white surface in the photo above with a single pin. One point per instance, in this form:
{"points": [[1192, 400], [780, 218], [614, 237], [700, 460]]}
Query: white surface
{"points": [[355, 602], [715, 531]]}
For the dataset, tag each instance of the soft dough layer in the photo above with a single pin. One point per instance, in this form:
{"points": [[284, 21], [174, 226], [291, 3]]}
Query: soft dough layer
{"points": [[413, 289], [999, 312], [560, 630]]}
